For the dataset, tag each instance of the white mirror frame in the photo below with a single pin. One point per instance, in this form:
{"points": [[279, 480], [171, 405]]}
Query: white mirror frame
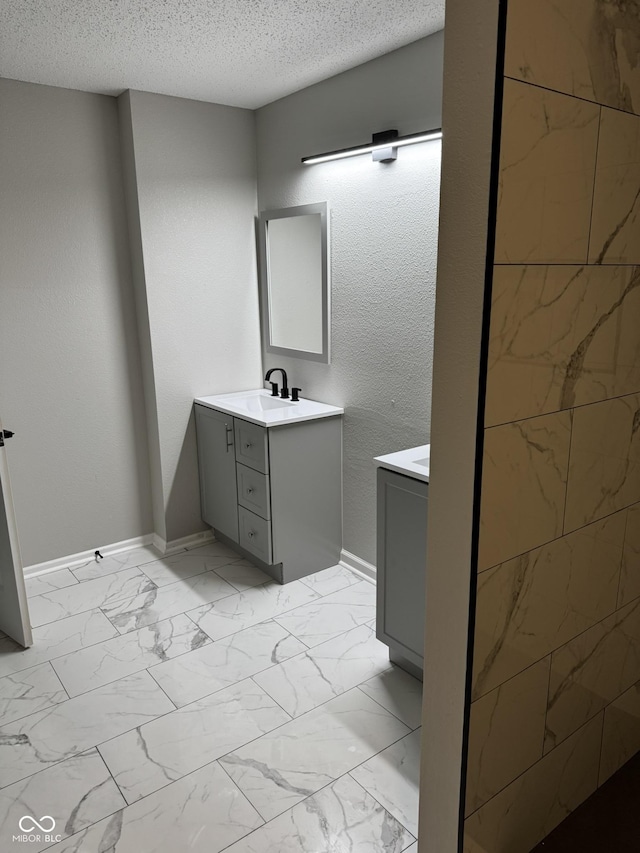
{"points": [[301, 210]]}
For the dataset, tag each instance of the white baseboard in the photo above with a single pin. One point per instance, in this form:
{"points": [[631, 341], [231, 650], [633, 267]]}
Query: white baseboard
{"points": [[74, 560], [193, 541], [360, 567]]}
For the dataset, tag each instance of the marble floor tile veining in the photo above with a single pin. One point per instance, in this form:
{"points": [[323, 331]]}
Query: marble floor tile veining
{"points": [[99, 592], [28, 691], [284, 767], [226, 662], [49, 582], [190, 703], [56, 639], [78, 791], [341, 818], [202, 813], [326, 671], [125, 654], [392, 778], [47, 737], [146, 758], [230, 615], [332, 614], [145, 608]]}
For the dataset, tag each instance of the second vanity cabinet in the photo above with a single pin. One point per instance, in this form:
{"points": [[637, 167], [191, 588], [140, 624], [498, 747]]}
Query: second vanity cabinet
{"points": [[402, 501], [274, 493]]}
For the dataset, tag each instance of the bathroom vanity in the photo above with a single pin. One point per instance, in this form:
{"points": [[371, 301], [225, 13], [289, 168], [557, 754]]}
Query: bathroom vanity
{"points": [[271, 479], [402, 497]]}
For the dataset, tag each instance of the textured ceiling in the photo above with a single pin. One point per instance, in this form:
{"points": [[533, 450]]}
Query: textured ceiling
{"points": [[240, 52]]}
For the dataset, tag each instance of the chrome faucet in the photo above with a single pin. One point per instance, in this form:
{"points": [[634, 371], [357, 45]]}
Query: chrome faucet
{"points": [[274, 385]]}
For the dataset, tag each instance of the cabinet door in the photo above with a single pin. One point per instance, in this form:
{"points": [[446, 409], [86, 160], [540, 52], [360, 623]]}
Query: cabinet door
{"points": [[402, 563], [217, 469]]}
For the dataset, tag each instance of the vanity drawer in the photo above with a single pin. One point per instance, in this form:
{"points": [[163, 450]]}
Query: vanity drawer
{"points": [[253, 490], [251, 445], [255, 534]]}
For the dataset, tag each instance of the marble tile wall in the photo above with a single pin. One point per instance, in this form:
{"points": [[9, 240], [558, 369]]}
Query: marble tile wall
{"points": [[556, 674]]}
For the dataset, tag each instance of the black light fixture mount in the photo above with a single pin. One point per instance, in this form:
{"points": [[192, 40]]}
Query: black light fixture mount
{"points": [[383, 146]]}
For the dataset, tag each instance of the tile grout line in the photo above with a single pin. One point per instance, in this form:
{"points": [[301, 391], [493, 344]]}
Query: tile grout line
{"points": [[97, 747], [622, 560], [50, 707], [535, 764], [558, 538], [135, 671], [571, 408], [552, 651], [258, 737], [272, 666], [146, 669], [568, 95], [593, 186], [554, 263], [568, 471], [93, 746], [98, 607], [359, 687], [110, 775], [382, 806]]}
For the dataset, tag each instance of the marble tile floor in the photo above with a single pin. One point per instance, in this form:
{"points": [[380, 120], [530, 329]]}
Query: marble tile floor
{"points": [[189, 703]]}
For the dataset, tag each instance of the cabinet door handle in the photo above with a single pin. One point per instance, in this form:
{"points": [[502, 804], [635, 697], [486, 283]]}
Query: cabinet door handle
{"points": [[250, 534], [249, 491], [248, 445], [229, 430]]}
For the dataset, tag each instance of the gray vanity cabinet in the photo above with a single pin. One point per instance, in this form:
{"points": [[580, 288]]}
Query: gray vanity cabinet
{"points": [[402, 560], [217, 464], [274, 494]]}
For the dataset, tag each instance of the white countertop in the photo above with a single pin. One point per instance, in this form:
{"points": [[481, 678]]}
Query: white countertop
{"points": [[259, 407], [412, 463]]}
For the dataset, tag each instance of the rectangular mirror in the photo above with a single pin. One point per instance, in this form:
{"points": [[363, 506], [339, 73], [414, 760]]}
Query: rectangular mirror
{"points": [[294, 281]]}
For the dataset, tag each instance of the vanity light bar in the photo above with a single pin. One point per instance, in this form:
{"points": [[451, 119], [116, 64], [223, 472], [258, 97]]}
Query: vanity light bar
{"points": [[387, 139]]}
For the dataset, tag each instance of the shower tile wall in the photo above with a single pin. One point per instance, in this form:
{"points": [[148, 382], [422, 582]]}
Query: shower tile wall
{"points": [[556, 681]]}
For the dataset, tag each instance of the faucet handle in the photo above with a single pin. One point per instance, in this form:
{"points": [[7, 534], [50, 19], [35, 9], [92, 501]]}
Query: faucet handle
{"points": [[294, 395], [274, 389]]}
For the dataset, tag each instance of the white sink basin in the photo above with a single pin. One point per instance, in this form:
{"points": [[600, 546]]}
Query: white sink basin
{"points": [[413, 462], [262, 404], [259, 407]]}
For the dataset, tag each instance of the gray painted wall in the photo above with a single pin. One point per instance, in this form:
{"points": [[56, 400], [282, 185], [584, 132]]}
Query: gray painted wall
{"points": [[70, 380], [194, 168], [384, 231]]}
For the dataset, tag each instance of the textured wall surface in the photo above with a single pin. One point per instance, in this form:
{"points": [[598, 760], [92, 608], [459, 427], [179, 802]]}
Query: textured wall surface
{"points": [[195, 196], [556, 690], [70, 381], [384, 231]]}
